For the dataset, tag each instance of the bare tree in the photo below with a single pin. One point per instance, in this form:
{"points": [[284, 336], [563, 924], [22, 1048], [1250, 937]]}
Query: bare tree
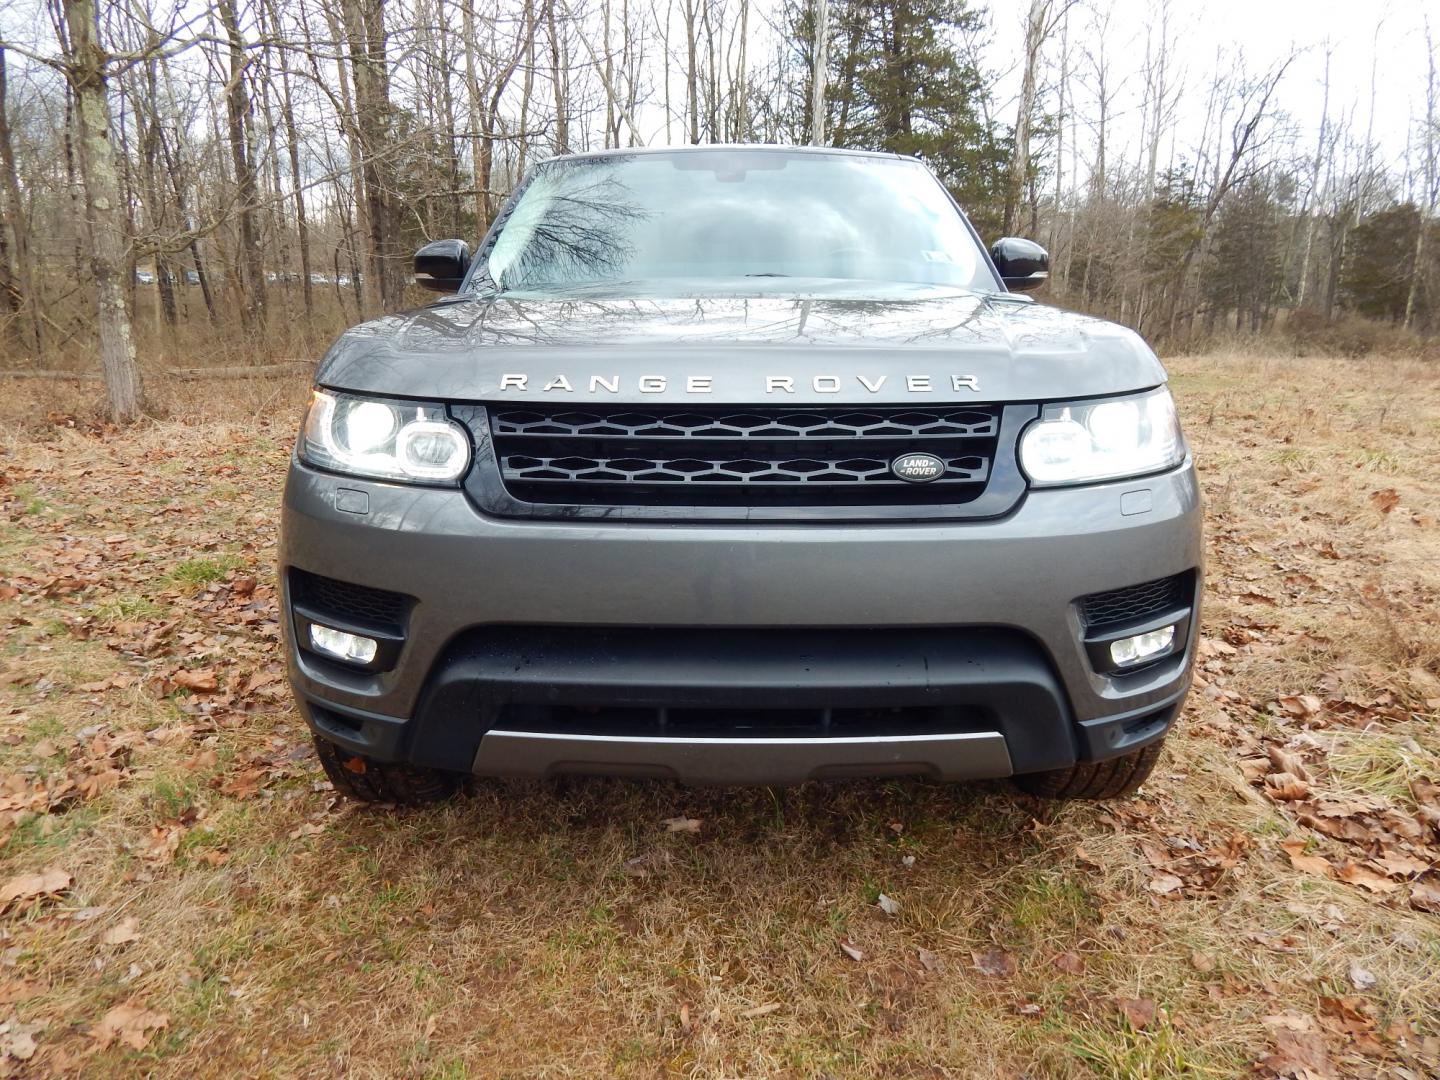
{"points": [[1043, 17], [240, 122], [1431, 183], [17, 269], [86, 66]]}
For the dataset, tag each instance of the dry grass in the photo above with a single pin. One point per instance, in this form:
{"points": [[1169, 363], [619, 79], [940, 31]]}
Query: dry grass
{"points": [[510, 934]]}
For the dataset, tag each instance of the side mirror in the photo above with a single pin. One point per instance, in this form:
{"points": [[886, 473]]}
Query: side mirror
{"points": [[440, 265], [1023, 264]]}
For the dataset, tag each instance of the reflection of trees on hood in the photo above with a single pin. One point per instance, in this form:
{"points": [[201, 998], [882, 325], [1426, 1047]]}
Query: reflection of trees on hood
{"points": [[584, 235]]}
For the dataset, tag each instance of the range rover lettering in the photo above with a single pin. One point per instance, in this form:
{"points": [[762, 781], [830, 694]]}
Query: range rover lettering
{"points": [[739, 465]]}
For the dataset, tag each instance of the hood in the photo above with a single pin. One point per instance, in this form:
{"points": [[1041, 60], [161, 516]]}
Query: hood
{"points": [[958, 347]]}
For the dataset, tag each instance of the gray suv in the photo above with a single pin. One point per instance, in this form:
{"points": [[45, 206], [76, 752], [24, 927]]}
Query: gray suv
{"points": [[739, 465]]}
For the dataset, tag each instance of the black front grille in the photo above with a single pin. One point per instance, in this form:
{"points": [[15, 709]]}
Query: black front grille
{"points": [[741, 457], [344, 601], [1135, 603]]}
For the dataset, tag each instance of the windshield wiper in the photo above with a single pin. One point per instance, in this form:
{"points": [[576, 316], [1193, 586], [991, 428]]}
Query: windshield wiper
{"points": [[767, 275]]}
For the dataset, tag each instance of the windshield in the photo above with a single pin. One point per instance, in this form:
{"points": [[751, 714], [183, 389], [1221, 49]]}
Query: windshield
{"points": [[728, 221]]}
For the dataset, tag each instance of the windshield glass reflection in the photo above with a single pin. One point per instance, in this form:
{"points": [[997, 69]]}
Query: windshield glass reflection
{"points": [[728, 221]]}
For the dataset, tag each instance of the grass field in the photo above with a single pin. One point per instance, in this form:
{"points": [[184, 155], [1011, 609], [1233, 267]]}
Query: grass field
{"points": [[182, 895]]}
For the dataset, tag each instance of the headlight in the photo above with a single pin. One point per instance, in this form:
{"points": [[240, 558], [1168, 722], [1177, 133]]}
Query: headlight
{"points": [[1103, 440], [386, 440]]}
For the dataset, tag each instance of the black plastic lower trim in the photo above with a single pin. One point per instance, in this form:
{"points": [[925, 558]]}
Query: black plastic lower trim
{"points": [[866, 683], [1111, 736]]}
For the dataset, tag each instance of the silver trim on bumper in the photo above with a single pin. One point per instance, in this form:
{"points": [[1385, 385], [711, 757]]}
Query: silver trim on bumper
{"points": [[966, 756]]}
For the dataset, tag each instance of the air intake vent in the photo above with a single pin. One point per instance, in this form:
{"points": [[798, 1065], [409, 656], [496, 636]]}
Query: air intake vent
{"points": [[347, 602], [1135, 603]]}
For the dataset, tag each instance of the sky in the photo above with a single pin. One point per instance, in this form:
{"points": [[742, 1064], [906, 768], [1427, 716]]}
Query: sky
{"points": [[1265, 31]]}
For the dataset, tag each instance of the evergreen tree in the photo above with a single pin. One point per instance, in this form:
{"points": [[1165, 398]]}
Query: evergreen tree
{"points": [[899, 81], [1379, 264], [1245, 274]]}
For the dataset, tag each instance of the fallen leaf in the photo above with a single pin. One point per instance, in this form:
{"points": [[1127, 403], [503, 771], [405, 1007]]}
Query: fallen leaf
{"points": [[202, 681], [930, 961], [1299, 1049], [48, 882], [993, 962], [888, 904], [1202, 961], [642, 866], [1070, 963], [1285, 762], [1425, 896], [1301, 705], [126, 930], [851, 951], [761, 1010], [1397, 864], [1309, 864], [247, 783], [1139, 1013], [17, 1040], [1360, 978], [18, 990], [682, 824], [132, 1024], [1285, 787], [1385, 500], [1164, 884], [1356, 874], [164, 842]]}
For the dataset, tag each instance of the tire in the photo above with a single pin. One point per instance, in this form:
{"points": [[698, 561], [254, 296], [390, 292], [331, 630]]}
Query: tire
{"points": [[367, 780], [1095, 779]]}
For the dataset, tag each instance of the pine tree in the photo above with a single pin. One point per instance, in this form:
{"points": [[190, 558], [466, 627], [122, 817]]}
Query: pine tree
{"points": [[1246, 272], [1375, 280], [899, 81]]}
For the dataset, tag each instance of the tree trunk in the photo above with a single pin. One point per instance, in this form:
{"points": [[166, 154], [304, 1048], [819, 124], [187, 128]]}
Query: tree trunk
{"points": [[292, 142], [557, 76], [19, 273], [1035, 25], [1428, 199], [692, 87], [527, 88], [365, 29], [242, 155], [85, 68], [349, 124], [483, 209], [818, 71]]}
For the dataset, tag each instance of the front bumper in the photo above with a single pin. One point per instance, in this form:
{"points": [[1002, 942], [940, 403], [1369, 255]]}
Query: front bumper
{"points": [[735, 653]]}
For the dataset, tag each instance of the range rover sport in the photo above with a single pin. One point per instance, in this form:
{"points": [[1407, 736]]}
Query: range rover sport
{"points": [[739, 465]]}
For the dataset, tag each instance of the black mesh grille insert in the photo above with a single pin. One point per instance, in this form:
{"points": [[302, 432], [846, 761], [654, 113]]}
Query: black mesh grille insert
{"points": [[1135, 602], [749, 423], [741, 456], [348, 602]]}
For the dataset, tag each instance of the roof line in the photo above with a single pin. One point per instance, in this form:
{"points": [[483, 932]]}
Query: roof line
{"points": [[690, 148]]}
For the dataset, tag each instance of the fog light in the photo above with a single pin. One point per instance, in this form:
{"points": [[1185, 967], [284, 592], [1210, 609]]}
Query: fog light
{"points": [[1127, 652], [343, 646]]}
